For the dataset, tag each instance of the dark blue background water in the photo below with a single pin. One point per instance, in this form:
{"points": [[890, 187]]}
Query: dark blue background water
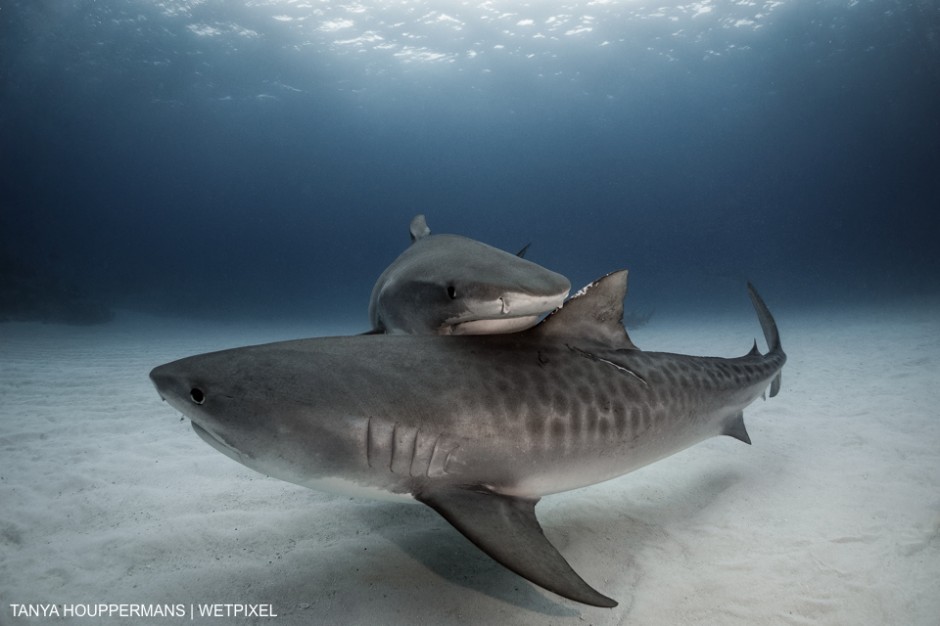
{"points": [[265, 158]]}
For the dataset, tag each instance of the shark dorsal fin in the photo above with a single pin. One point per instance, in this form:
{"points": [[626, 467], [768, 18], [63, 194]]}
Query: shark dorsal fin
{"points": [[419, 228], [595, 313]]}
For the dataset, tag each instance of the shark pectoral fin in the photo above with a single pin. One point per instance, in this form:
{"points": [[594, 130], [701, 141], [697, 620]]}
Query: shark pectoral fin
{"points": [[735, 428], [505, 528]]}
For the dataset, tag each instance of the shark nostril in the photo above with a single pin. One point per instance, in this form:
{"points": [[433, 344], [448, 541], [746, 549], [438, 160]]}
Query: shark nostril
{"points": [[451, 292], [504, 305], [197, 395]]}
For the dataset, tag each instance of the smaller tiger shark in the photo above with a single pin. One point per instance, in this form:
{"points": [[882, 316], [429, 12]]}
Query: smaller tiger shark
{"points": [[478, 428], [452, 285]]}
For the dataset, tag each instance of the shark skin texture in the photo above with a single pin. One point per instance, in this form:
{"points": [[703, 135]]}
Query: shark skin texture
{"points": [[479, 428]]}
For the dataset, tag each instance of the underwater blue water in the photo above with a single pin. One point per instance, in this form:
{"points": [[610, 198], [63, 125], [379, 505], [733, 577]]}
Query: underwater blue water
{"points": [[264, 158]]}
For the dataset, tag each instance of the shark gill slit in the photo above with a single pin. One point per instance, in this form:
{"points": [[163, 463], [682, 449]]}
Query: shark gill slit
{"points": [[424, 449], [398, 448], [437, 440], [437, 464], [414, 452], [369, 442]]}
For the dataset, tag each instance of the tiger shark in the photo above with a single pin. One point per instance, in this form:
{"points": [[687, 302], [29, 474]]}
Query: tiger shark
{"points": [[452, 285], [478, 428]]}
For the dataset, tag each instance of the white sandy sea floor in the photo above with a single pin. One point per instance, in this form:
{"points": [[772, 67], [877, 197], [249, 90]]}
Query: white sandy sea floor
{"points": [[831, 517]]}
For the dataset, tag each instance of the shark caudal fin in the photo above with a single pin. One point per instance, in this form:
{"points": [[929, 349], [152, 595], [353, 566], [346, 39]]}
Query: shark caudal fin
{"points": [[771, 335]]}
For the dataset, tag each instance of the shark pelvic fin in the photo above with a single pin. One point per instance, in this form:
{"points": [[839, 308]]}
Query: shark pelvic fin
{"points": [[735, 428], [594, 313], [505, 528]]}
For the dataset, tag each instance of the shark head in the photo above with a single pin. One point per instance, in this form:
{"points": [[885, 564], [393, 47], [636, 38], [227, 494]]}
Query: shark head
{"points": [[452, 285], [229, 407]]}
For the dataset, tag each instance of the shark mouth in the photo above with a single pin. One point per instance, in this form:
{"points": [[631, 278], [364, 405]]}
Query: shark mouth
{"points": [[509, 313], [494, 326], [218, 443]]}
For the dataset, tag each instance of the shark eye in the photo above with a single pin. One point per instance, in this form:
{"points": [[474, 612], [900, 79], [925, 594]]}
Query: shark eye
{"points": [[197, 396], [451, 292]]}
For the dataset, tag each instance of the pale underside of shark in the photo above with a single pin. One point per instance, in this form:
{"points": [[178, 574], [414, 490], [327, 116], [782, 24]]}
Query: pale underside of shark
{"points": [[452, 285], [479, 428]]}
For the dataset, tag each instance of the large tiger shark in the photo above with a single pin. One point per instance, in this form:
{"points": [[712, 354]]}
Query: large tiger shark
{"points": [[452, 285], [479, 428]]}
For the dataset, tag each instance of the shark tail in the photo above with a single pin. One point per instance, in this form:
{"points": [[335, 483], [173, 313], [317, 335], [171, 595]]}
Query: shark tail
{"points": [[771, 335]]}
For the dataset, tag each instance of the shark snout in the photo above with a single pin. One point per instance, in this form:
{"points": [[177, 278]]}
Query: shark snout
{"points": [[520, 303], [160, 381], [523, 304], [174, 387], [508, 312]]}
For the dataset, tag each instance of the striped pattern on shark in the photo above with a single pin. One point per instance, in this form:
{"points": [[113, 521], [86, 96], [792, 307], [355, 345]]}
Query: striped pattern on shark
{"points": [[479, 427]]}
